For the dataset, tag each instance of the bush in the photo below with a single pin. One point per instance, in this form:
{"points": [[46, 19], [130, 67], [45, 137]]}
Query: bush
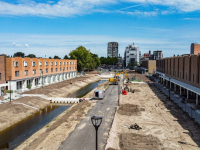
{"points": [[29, 86], [9, 91]]}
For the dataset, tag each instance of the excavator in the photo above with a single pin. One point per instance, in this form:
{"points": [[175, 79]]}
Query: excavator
{"points": [[116, 78]]}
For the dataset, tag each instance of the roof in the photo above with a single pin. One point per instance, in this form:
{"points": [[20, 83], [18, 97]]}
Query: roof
{"points": [[5, 84], [160, 73], [184, 85]]}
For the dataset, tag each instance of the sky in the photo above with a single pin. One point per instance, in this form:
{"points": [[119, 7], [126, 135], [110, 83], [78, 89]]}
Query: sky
{"points": [[56, 27]]}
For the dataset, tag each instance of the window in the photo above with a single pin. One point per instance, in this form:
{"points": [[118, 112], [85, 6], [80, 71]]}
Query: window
{"points": [[40, 63], [63, 63], [60, 68], [75, 63], [70, 68], [56, 63], [70, 63], [25, 64], [33, 64], [16, 73], [60, 63], [46, 70], [46, 63], [51, 63], [67, 68], [63, 68], [34, 71], [56, 69], [16, 63], [67, 63], [51, 69], [41, 72]]}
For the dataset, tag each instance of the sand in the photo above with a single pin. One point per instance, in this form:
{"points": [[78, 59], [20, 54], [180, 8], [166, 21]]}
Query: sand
{"points": [[163, 124]]}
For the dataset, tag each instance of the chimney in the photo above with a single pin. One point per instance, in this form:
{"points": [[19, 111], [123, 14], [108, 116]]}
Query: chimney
{"points": [[149, 52]]}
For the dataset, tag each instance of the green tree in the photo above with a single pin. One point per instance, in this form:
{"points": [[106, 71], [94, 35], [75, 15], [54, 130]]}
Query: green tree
{"points": [[19, 54], [85, 59], [136, 63], [31, 56], [56, 57], [109, 60], [66, 57]]}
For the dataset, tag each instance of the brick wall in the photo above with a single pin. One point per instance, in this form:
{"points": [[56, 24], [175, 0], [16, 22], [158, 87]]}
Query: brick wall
{"points": [[68, 66], [183, 68], [3, 72]]}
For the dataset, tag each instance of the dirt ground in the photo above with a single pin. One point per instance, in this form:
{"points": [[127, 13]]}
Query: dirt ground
{"points": [[64, 88], [163, 125], [12, 113], [51, 136]]}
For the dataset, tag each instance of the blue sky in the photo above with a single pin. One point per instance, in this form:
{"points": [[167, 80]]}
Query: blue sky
{"points": [[49, 27]]}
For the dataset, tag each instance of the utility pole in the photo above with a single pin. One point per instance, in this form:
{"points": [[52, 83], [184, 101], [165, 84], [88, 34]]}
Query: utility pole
{"points": [[10, 87]]}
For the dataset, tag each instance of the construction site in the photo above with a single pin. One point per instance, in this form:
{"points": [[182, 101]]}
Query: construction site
{"points": [[143, 118]]}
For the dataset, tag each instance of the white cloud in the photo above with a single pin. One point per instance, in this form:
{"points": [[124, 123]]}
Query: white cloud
{"points": [[63, 8], [19, 45], [182, 5], [61, 45], [67, 8]]}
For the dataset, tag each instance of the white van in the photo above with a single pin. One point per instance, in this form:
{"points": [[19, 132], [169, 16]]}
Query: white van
{"points": [[99, 94]]}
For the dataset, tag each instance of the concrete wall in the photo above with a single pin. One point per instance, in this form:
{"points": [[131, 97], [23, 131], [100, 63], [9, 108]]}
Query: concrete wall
{"points": [[150, 65]]}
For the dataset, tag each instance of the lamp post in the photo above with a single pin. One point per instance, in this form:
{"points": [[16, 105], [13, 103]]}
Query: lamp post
{"points": [[63, 73], [42, 77], [10, 86], [96, 121], [169, 88]]}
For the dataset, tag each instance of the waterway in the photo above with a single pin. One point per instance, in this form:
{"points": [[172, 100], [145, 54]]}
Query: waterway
{"points": [[85, 90], [16, 134]]}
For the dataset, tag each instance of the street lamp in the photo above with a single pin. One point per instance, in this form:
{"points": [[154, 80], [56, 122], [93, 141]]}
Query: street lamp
{"points": [[42, 77], [96, 121], [10, 86], [63, 73], [169, 88]]}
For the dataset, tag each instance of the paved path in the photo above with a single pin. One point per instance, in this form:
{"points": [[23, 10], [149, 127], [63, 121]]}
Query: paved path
{"points": [[83, 137]]}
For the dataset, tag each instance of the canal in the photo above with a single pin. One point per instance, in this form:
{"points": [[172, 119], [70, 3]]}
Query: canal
{"points": [[17, 133]]}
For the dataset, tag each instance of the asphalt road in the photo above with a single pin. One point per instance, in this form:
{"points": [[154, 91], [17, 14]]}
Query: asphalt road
{"points": [[84, 135]]}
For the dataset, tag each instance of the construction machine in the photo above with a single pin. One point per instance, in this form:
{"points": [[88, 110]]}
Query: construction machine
{"points": [[114, 80]]}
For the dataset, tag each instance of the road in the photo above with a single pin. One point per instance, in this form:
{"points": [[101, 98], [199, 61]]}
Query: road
{"points": [[83, 136]]}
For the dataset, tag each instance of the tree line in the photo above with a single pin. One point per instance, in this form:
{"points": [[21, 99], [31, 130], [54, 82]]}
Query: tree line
{"points": [[21, 54]]}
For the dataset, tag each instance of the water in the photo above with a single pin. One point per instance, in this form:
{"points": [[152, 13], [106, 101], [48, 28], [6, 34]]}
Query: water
{"points": [[85, 90], [16, 134]]}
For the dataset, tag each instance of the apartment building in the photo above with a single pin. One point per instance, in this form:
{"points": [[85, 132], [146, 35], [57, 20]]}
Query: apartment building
{"points": [[112, 50], [131, 55], [195, 48], [2, 76], [184, 68], [26, 73]]}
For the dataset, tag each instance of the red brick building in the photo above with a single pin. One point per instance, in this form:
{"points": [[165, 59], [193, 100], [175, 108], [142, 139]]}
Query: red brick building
{"points": [[195, 48], [2, 76]]}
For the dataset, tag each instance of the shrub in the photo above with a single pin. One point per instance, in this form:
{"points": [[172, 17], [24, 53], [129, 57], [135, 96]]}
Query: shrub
{"points": [[29, 86], [9, 91]]}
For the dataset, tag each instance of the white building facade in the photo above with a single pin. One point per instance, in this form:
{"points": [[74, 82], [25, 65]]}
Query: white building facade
{"points": [[132, 55]]}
